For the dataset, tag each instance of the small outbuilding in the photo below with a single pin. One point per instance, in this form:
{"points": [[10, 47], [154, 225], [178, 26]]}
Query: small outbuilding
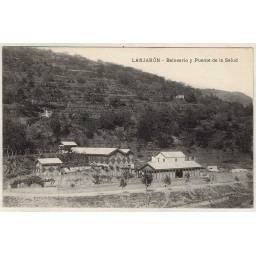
{"points": [[180, 97], [65, 146], [51, 166], [212, 168], [239, 170]]}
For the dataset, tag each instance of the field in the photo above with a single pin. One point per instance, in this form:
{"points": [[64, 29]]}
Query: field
{"points": [[233, 195]]}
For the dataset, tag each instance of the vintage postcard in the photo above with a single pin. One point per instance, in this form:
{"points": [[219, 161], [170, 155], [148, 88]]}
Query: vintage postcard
{"points": [[127, 127]]}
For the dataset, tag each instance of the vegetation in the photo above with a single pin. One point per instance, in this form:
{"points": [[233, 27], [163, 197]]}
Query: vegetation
{"points": [[167, 180], [106, 102], [147, 179], [123, 183], [187, 177], [28, 181], [96, 178]]}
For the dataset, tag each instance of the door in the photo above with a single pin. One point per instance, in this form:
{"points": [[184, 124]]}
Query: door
{"points": [[178, 174]]}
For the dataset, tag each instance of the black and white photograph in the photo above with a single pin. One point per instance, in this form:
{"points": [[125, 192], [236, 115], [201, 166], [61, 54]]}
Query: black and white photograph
{"points": [[135, 127]]}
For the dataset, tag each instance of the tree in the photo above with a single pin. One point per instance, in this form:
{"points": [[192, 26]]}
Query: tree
{"points": [[187, 176], [56, 127], [116, 102], [167, 180], [96, 179], [14, 136], [190, 98], [164, 140], [123, 183], [147, 179], [126, 174], [84, 118]]}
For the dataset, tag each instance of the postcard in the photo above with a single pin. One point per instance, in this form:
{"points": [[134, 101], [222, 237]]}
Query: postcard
{"points": [[133, 127]]}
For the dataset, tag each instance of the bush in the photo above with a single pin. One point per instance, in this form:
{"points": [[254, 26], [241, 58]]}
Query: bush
{"points": [[207, 179], [21, 173], [89, 134], [116, 102], [28, 181], [111, 120], [147, 179], [96, 179], [236, 178], [167, 180], [127, 175], [123, 183]]}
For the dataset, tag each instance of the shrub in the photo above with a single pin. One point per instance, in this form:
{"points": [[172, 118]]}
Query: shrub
{"points": [[207, 179], [236, 178], [123, 183], [96, 179], [89, 134], [147, 179], [127, 175], [167, 180], [20, 173], [28, 181]]}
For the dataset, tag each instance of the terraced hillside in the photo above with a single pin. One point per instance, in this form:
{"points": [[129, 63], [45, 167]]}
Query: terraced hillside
{"points": [[103, 104]]}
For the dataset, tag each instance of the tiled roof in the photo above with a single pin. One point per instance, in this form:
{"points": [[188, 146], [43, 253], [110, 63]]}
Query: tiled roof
{"points": [[97, 151], [49, 160]]}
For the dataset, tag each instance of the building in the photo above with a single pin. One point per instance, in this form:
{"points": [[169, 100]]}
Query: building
{"points": [[116, 159], [48, 167], [239, 170], [180, 97], [212, 168], [46, 113], [65, 146], [169, 156], [174, 164]]}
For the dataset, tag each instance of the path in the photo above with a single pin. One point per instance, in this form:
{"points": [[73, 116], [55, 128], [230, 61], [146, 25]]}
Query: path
{"points": [[103, 190]]}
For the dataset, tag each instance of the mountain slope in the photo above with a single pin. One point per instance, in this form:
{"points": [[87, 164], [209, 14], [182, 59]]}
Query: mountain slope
{"points": [[104, 104], [229, 96]]}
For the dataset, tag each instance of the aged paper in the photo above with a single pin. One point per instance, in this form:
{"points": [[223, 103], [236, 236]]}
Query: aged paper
{"points": [[131, 127]]}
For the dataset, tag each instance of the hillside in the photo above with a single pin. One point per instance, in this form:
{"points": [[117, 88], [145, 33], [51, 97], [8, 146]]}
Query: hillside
{"points": [[229, 96], [104, 104]]}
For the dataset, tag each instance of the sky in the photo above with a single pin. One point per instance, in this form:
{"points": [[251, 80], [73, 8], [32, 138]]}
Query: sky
{"points": [[201, 67]]}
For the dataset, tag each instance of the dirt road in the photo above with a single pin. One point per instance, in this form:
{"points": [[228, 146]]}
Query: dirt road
{"points": [[103, 190]]}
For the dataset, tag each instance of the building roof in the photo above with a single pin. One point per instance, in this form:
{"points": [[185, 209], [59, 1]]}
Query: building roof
{"points": [[125, 150], [172, 154], [239, 170], [68, 143], [97, 151], [176, 165], [49, 161]]}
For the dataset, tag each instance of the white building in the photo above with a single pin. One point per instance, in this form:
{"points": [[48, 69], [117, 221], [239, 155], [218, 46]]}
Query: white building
{"points": [[46, 113], [180, 97], [170, 157], [212, 168], [172, 163]]}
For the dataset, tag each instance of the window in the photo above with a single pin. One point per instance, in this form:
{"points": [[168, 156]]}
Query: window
{"points": [[175, 159], [158, 160], [164, 160]]}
